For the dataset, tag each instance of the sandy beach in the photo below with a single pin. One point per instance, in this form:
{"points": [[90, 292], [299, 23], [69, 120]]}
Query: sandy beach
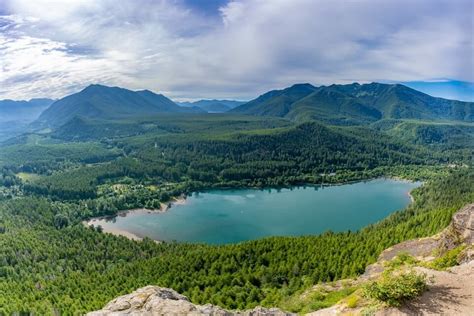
{"points": [[175, 201], [96, 221], [117, 232]]}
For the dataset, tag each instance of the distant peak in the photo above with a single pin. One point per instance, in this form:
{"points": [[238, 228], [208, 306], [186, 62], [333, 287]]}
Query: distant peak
{"points": [[100, 87], [96, 85], [303, 85], [146, 91]]}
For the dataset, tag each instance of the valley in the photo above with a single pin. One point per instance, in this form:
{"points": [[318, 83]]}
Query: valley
{"points": [[103, 150]]}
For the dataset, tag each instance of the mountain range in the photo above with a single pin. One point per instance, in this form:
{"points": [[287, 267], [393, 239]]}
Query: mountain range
{"points": [[351, 104], [213, 106], [355, 104], [16, 115], [23, 111]]}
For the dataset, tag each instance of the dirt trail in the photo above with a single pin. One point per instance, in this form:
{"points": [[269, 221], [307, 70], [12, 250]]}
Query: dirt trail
{"points": [[452, 293]]}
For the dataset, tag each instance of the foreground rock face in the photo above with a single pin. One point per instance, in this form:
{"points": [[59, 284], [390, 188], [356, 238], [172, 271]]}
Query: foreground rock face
{"points": [[154, 300], [460, 231], [463, 224]]}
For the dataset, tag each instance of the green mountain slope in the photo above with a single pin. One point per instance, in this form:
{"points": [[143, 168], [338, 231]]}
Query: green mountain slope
{"points": [[276, 102], [332, 106], [356, 104], [451, 135], [400, 102], [101, 102]]}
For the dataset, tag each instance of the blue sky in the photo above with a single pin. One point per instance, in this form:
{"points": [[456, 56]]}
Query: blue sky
{"points": [[191, 49], [449, 89]]}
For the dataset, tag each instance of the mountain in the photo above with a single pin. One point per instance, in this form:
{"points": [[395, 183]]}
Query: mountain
{"points": [[397, 101], [213, 106], [356, 104], [276, 102], [24, 111], [102, 102]]}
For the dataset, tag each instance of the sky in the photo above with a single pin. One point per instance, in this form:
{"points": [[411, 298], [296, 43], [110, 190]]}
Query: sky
{"points": [[193, 49]]}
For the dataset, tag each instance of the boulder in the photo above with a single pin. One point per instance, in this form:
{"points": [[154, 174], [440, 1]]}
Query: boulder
{"points": [[154, 300]]}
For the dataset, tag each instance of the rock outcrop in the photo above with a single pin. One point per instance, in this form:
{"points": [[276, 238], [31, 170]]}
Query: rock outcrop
{"points": [[154, 300], [463, 224], [460, 231]]}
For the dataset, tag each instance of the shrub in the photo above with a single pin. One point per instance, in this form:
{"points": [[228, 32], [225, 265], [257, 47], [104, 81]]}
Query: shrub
{"points": [[449, 259], [401, 260], [393, 289], [353, 301]]}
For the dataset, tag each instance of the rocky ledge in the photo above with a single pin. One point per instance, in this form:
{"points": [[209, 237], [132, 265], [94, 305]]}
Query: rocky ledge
{"points": [[154, 300], [460, 231]]}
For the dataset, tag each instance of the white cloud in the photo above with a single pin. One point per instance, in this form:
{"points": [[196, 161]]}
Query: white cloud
{"points": [[52, 47]]}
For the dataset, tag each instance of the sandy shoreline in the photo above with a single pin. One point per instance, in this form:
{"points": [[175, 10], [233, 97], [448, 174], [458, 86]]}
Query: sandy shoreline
{"points": [[95, 221]]}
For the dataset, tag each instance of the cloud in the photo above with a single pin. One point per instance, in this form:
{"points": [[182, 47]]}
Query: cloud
{"points": [[54, 47], [33, 66]]}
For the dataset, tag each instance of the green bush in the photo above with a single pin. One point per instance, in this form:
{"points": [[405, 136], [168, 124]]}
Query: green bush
{"points": [[393, 289], [449, 259], [353, 301], [401, 260]]}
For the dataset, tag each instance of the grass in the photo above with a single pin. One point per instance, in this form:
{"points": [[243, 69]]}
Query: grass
{"points": [[401, 260], [353, 301], [27, 176], [318, 299], [448, 259]]}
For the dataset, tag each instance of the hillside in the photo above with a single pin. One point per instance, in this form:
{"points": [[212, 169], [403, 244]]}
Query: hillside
{"points": [[447, 134], [102, 102], [276, 102], [356, 104]]}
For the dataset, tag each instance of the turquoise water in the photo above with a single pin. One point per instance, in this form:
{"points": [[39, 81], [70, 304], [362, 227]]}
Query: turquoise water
{"points": [[227, 216]]}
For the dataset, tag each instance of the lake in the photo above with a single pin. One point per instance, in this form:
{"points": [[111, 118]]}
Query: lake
{"points": [[227, 216]]}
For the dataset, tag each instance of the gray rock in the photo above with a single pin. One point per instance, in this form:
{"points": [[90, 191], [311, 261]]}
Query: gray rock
{"points": [[154, 300]]}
